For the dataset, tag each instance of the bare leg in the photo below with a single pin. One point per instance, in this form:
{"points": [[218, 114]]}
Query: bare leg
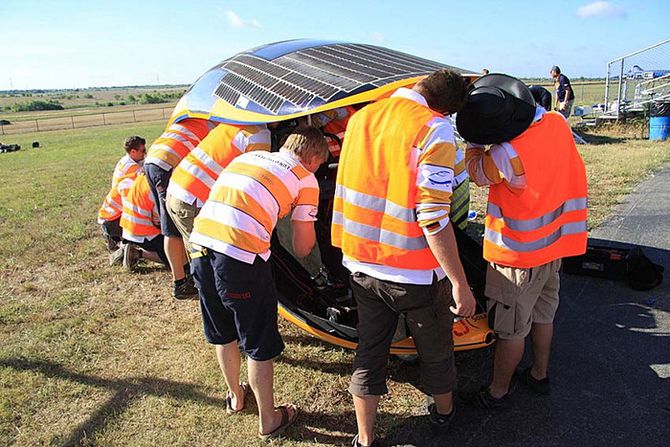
{"points": [[366, 413], [541, 335], [507, 357], [176, 254], [261, 381], [228, 356], [444, 402], [150, 256]]}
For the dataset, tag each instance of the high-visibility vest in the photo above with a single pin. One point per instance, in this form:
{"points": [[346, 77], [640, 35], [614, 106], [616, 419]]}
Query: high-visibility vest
{"points": [[547, 221], [177, 141], [196, 173], [140, 215], [374, 211], [124, 174], [460, 205]]}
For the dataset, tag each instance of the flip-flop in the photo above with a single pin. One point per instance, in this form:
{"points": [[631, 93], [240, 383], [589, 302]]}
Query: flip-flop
{"points": [[229, 400], [285, 422]]}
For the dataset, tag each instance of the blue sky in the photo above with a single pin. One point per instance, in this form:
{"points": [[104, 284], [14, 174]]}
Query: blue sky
{"points": [[69, 44]]}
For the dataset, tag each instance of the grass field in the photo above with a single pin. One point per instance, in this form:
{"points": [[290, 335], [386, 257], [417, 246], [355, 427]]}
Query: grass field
{"points": [[91, 355]]}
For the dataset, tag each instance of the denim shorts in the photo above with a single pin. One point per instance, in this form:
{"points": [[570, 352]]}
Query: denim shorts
{"points": [[159, 179]]}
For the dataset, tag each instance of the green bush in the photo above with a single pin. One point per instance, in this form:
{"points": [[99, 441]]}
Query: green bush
{"points": [[36, 105]]}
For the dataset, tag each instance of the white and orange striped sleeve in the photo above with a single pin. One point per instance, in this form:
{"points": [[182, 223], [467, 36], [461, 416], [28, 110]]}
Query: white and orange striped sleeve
{"points": [[499, 164], [435, 176], [306, 203]]}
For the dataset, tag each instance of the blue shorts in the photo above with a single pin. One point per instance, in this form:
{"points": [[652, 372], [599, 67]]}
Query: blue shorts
{"points": [[159, 179], [238, 301]]}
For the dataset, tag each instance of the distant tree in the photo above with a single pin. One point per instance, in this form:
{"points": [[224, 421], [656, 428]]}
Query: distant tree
{"points": [[36, 105], [132, 98]]}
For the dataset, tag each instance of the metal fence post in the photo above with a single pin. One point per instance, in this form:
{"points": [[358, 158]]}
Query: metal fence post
{"points": [[619, 102], [103, 120], [607, 87], [72, 119], [37, 126], [163, 110], [2, 129], [134, 119]]}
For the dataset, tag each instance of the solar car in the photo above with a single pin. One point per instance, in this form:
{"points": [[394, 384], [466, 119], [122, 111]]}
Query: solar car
{"points": [[281, 83]]}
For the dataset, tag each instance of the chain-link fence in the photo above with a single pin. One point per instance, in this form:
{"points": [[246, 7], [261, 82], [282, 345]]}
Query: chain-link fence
{"points": [[636, 80]]}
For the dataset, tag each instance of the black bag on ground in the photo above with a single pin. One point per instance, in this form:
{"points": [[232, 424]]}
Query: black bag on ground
{"points": [[629, 264]]}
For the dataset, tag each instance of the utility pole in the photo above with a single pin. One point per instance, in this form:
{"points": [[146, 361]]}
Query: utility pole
{"points": [[157, 81], [11, 84]]}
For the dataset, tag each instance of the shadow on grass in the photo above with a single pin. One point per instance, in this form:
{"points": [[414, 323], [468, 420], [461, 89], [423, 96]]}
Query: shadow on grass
{"points": [[127, 391], [597, 139]]}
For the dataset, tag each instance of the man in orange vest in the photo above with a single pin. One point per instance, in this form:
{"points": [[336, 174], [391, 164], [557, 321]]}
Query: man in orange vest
{"points": [[536, 215], [163, 156], [230, 257], [140, 222], [193, 178], [391, 219], [124, 174]]}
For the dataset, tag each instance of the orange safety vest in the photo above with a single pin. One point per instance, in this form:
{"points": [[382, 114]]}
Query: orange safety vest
{"points": [[124, 175], [198, 171], [547, 221], [139, 210], [374, 211], [177, 141], [337, 128]]}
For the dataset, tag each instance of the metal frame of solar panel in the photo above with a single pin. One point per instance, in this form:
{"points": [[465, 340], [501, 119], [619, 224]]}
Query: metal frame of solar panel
{"points": [[314, 75]]}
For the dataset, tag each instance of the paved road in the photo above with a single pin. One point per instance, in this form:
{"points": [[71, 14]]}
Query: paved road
{"points": [[611, 364]]}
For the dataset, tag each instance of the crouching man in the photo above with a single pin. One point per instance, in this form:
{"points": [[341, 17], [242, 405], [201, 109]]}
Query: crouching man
{"points": [[231, 248], [536, 215]]}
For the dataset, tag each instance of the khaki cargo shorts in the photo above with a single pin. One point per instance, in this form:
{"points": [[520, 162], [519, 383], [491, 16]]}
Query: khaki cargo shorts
{"points": [[183, 215], [517, 297]]}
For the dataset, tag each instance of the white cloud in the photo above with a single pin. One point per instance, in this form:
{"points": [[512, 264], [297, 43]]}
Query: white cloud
{"points": [[600, 9], [376, 36], [237, 22]]}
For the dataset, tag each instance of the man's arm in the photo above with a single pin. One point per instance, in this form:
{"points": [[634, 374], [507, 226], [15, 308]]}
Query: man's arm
{"points": [[444, 248], [304, 237], [499, 164]]}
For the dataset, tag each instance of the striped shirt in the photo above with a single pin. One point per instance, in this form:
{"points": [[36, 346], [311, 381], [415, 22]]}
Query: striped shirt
{"points": [[195, 175], [251, 194], [440, 166]]}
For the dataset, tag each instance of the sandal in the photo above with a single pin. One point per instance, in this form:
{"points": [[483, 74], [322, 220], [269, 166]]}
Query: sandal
{"points": [[229, 399], [286, 421]]}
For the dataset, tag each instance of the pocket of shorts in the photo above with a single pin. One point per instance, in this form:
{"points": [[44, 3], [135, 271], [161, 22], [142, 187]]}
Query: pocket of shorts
{"points": [[504, 285]]}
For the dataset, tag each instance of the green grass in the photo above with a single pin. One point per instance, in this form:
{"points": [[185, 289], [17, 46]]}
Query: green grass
{"points": [[91, 355]]}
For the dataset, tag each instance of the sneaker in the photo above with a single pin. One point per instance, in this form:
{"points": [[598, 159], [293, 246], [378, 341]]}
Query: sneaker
{"points": [[116, 258], [440, 422], [131, 256], [185, 290], [484, 399], [355, 443], [540, 387]]}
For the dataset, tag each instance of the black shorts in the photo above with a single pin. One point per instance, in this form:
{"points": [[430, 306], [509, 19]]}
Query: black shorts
{"points": [[111, 231], [159, 179], [238, 301]]}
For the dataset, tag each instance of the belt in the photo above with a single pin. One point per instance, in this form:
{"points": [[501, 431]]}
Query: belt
{"points": [[197, 252]]}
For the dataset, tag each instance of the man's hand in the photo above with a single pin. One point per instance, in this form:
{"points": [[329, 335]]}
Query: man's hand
{"points": [[561, 106], [465, 302]]}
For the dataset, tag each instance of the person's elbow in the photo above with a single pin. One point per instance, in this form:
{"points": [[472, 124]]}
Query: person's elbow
{"points": [[301, 248]]}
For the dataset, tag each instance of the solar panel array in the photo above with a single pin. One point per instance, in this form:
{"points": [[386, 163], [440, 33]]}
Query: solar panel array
{"points": [[307, 78]]}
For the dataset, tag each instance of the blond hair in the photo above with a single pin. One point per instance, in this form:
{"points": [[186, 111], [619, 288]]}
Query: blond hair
{"points": [[307, 143]]}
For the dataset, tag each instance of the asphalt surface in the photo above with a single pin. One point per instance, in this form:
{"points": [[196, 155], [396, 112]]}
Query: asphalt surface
{"points": [[610, 369]]}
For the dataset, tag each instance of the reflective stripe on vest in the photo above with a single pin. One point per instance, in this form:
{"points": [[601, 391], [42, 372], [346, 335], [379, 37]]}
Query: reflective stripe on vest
{"points": [[374, 211], [548, 219], [460, 205]]}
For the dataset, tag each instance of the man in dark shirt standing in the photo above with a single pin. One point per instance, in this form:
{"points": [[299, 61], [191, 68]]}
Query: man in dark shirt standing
{"points": [[564, 94]]}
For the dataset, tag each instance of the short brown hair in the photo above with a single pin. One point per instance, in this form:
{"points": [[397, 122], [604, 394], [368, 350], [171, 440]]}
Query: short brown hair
{"points": [[306, 143], [445, 91], [133, 142]]}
